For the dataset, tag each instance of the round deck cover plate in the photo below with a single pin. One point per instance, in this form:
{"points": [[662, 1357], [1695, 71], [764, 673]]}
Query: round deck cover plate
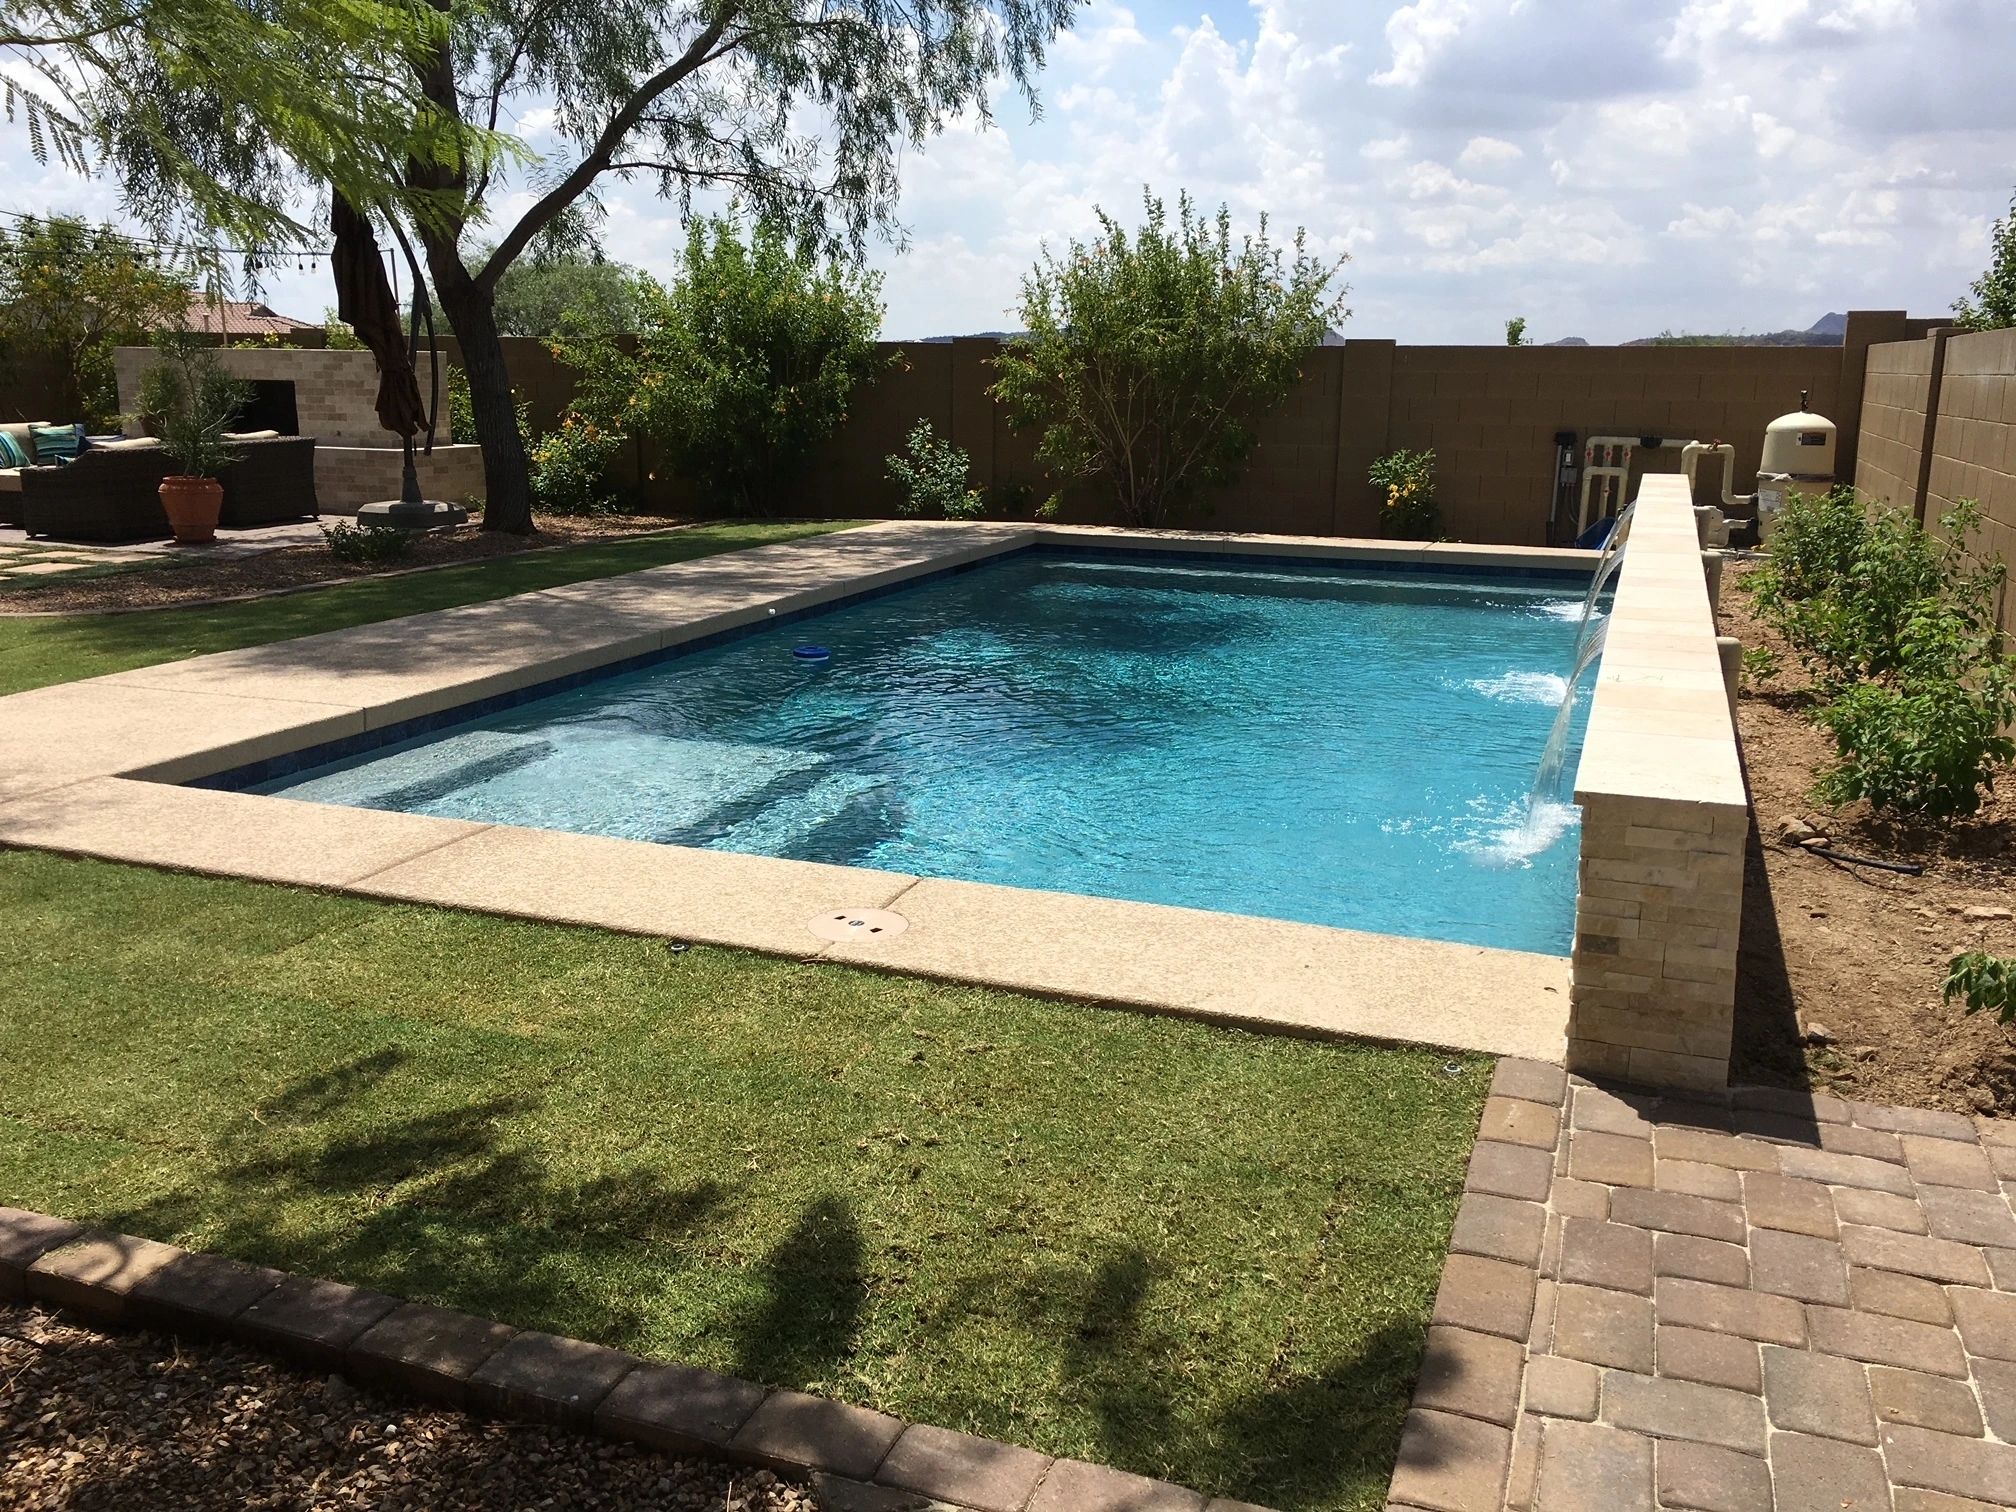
{"points": [[858, 925]]}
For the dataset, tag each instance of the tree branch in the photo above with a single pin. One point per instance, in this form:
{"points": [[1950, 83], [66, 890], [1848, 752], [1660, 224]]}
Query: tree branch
{"points": [[550, 205]]}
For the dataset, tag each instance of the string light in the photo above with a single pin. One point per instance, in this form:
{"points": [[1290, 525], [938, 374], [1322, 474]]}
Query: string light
{"points": [[147, 246]]}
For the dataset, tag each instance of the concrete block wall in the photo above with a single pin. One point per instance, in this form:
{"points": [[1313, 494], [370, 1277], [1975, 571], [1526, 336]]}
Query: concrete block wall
{"points": [[335, 392], [1939, 426], [1896, 389], [1665, 818]]}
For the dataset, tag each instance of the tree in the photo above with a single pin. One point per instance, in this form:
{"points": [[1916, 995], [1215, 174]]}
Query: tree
{"points": [[70, 293], [1148, 357], [538, 295], [742, 366], [1515, 331], [797, 108], [1994, 304], [213, 114]]}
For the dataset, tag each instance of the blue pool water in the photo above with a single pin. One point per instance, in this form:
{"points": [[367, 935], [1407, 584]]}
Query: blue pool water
{"points": [[1312, 743]]}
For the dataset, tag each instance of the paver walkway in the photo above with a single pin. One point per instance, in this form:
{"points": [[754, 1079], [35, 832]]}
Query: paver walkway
{"points": [[1784, 1302]]}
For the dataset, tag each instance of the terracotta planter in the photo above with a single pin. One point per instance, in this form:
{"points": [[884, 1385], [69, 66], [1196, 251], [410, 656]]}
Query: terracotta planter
{"points": [[192, 505]]}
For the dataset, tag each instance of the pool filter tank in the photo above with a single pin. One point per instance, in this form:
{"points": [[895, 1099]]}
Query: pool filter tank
{"points": [[1798, 458]]}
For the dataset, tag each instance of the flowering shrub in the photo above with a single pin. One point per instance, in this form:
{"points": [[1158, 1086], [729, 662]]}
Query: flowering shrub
{"points": [[570, 468], [1409, 512], [933, 474]]}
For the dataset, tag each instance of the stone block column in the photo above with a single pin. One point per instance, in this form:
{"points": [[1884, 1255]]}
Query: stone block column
{"points": [[1664, 822]]}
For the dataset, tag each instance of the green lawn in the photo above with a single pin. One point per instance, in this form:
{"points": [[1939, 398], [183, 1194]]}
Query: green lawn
{"points": [[1189, 1251], [36, 652]]}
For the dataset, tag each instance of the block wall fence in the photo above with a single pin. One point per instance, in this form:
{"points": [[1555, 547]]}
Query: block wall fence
{"points": [[1490, 413], [1939, 425]]}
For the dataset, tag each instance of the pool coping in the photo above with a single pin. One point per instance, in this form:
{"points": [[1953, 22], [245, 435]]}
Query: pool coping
{"points": [[98, 768]]}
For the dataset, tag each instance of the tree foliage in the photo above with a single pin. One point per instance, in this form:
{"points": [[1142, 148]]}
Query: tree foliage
{"points": [[934, 475], [1515, 331], [742, 366], [546, 295], [1993, 306], [215, 114], [1149, 355], [71, 292]]}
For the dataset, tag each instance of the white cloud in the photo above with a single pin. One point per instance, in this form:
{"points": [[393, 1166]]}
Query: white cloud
{"points": [[1609, 169], [1489, 152]]}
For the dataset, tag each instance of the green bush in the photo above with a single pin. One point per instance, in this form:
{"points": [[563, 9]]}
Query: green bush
{"points": [[743, 365], [570, 468], [1897, 624], [188, 399], [1857, 591], [1929, 743], [1983, 982], [1409, 511], [1148, 357], [368, 545], [933, 475]]}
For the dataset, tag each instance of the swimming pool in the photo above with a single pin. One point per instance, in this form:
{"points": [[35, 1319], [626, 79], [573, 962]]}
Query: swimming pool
{"points": [[1326, 743]]}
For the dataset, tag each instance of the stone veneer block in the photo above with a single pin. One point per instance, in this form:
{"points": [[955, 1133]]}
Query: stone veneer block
{"points": [[315, 1320], [428, 1351], [95, 1276], [794, 1431], [549, 1378], [1665, 820], [24, 1238], [959, 1468]]}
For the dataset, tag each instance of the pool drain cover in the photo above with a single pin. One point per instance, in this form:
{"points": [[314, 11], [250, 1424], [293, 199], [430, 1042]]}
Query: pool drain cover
{"points": [[858, 925]]}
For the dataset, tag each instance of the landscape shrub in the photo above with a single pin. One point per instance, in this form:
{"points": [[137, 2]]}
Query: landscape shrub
{"points": [[1983, 983], [933, 475], [570, 468], [743, 365], [1147, 357], [367, 545], [1409, 511], [1897, 624]]}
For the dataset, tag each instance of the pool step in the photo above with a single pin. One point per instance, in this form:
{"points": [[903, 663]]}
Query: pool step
{"points": [[824, 818], [444, 768]]}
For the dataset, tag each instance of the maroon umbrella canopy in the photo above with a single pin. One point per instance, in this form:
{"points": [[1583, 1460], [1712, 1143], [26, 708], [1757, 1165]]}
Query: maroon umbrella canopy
{"points": [[364, 302]]}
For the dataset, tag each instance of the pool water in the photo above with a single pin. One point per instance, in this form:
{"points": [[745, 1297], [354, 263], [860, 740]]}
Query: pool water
{"points": [[1334, 745]]}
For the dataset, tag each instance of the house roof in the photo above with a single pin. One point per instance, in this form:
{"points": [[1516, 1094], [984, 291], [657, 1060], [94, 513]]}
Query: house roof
{"points": [[238, 317]]}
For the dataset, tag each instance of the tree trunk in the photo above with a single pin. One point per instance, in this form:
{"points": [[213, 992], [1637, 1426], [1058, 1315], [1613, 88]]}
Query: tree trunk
{"points": [[472, 315]]}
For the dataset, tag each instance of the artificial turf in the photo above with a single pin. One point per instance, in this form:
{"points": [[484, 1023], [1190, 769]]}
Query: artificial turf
{"points": [[1192, 1252], [38, 650]]}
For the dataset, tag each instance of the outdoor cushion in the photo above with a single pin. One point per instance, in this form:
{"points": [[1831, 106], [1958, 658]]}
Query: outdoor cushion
{"points": [[23, 434], [10, 480], [58, 443], [260, 435], [125, 443], [11, 454]]}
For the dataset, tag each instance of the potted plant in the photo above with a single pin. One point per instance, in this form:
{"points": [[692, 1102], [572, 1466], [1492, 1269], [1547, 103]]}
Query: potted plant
{"points": [[188, 399]]}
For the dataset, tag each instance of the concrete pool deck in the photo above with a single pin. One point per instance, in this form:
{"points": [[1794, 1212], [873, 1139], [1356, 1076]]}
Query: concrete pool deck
{"points": [[89, 768]]}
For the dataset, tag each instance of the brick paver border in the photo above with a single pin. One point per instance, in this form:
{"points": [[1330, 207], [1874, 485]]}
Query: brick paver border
{"points": [[857, 1458], [1766, 1301]]}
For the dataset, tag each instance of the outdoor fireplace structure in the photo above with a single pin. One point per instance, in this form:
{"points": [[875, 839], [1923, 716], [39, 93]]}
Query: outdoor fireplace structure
{"points": [[333, 398]]}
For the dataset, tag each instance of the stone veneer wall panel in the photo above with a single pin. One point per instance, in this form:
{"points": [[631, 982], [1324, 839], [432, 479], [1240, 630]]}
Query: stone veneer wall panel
{"points": [[1664, 823]]}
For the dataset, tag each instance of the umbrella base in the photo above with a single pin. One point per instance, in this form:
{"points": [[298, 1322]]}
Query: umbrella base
{"points": [[400, 514]]}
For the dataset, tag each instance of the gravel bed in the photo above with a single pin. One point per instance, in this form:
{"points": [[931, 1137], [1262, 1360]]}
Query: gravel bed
{"points": [[94, 1420]]}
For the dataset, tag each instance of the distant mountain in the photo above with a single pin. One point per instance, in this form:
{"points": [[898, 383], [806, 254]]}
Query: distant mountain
{"points": [[1567, 341], [1828, 330]]}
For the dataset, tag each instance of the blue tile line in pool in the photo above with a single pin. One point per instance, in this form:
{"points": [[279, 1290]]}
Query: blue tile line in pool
{"points": [[273, 768]]}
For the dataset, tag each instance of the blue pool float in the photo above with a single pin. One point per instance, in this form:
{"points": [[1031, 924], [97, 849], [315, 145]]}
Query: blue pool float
{"points": [[811, 656]]}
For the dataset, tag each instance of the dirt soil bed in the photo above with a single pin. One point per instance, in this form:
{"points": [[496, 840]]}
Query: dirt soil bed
{"points": [[189, 579], [1839, 977], [92, 1420]]}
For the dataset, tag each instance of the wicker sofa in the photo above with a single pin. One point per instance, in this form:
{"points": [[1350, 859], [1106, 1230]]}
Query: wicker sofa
{"points": [[112, 493]]}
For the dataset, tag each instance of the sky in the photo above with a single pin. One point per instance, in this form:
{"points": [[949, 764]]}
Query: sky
{"points": [[1606, 168]]}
